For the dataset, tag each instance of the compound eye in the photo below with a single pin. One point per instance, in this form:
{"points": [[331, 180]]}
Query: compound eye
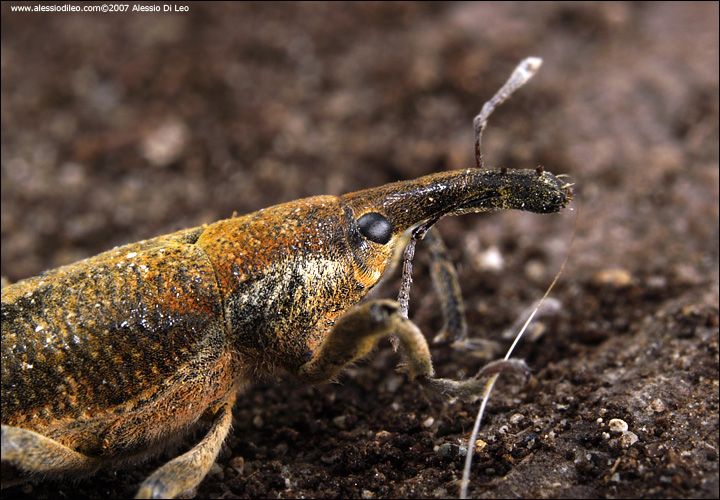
{"points": [[375, 227]]}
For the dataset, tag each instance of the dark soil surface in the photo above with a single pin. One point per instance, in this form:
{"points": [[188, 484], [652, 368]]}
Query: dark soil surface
{"points": [[117, 127]]}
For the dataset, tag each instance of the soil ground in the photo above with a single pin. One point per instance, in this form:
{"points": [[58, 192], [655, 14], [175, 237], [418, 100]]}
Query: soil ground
{"points": [[117, 127]]}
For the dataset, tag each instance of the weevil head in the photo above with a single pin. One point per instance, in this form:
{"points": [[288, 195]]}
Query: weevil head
{"points": [[381, 215], [289, 271]]}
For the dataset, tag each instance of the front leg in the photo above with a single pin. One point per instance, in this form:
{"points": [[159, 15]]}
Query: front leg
{"points": [[357, 331], [355, 334]]}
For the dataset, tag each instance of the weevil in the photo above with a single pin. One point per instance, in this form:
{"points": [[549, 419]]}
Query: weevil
{"points": [[108, 360]]}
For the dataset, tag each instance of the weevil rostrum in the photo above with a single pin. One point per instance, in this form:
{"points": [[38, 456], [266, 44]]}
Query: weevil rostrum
{"points": [[107, 360]]}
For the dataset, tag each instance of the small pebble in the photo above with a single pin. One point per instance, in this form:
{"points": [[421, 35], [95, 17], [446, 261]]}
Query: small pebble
{"points": [[617, 425], [628, 439], [617, 278]]}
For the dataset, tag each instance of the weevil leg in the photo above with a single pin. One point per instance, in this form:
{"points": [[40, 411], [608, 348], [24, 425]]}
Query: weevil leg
{"points": [[355, 334], [187, 471], [27, 452], [471, 390], [447, 287]]}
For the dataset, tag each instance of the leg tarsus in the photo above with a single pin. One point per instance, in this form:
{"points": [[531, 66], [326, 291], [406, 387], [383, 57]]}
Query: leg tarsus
{"points": [[477, 347], [471, 390]]}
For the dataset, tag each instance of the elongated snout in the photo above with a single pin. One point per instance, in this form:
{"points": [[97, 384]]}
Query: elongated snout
{"points": [[409, 203]]}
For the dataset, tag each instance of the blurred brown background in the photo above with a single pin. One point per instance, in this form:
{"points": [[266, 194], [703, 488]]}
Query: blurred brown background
{"points": [[118, 127]]}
